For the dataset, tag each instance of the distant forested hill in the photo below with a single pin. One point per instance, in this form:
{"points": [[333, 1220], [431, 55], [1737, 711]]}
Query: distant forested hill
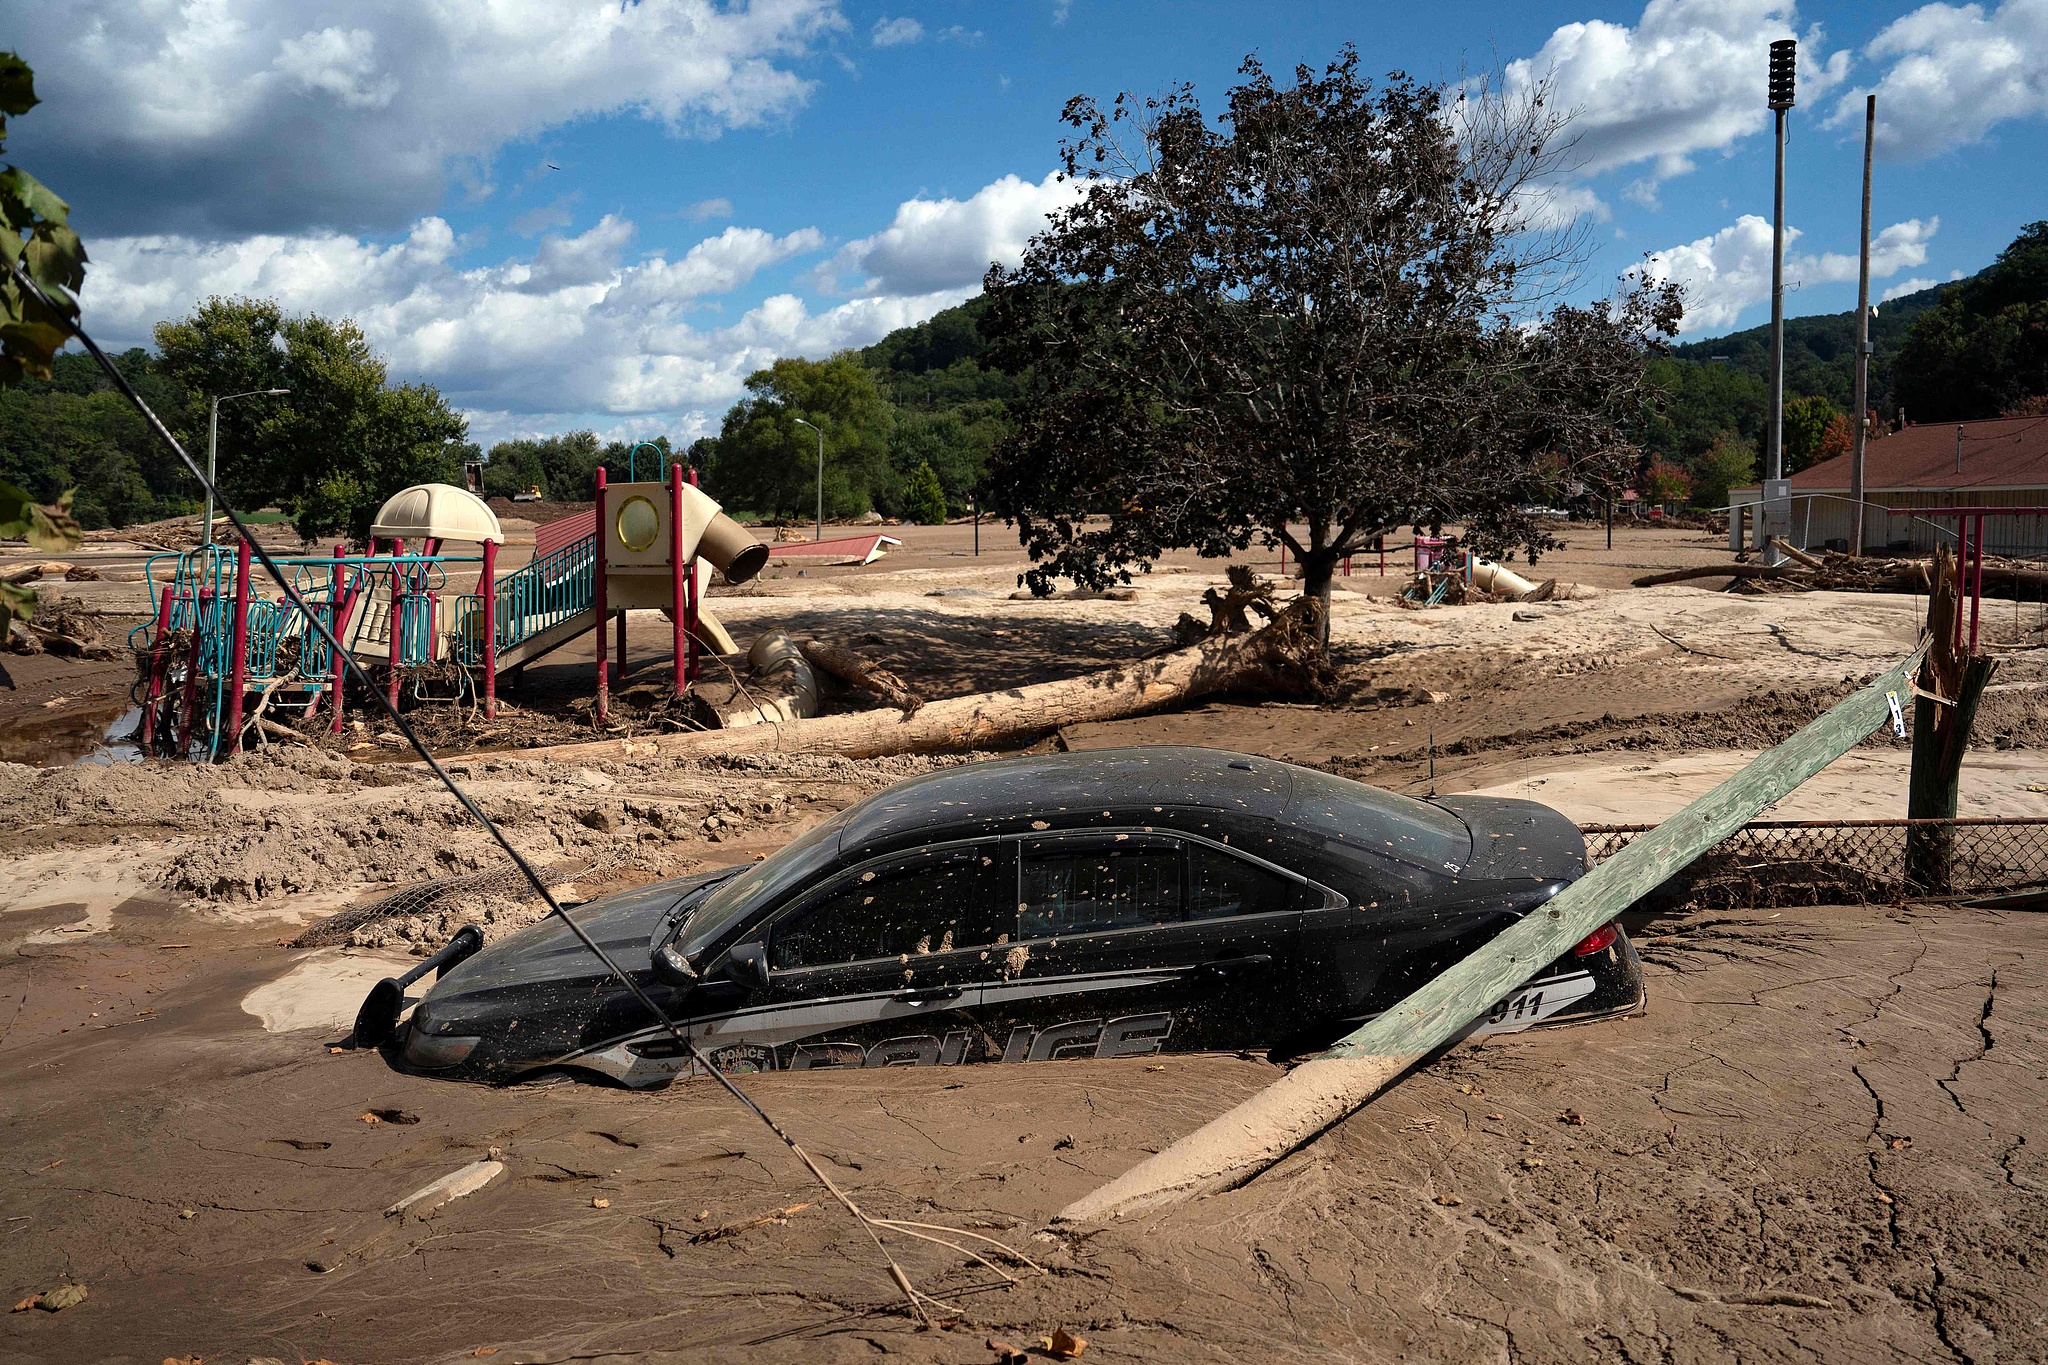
{"points": [[949, 410], [1972, 348], [1820, 350], [74, 432]]}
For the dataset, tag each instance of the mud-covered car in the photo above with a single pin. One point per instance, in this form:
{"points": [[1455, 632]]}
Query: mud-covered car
{"points": [[1118, 903]]}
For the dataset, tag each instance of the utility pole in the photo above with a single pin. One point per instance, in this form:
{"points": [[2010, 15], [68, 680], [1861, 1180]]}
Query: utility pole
{"points": [[1784, 59], [1862, 340], [819, 534]]}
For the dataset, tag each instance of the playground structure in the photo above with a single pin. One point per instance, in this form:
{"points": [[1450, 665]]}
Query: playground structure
{"points": [[216, 639]]}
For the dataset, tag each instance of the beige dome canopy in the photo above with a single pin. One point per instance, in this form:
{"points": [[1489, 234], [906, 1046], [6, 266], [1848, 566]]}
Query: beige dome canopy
{"points": [[438, 511]]}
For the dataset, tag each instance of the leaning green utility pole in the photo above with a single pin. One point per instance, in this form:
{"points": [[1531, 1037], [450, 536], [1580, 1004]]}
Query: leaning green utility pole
{"points": [[1233, 1148]]}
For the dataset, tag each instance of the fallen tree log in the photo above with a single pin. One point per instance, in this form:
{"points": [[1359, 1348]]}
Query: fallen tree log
{"points": [[1231, 1149], [1714, 571], [857, 672], [1285, 657]]}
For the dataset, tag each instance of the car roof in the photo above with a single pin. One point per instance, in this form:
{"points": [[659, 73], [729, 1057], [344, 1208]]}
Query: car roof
{"points": [[1166, 785]]}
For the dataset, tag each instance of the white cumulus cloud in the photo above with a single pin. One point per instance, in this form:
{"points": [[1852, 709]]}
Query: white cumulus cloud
{"points": [[1689, 77], [581, 326], [1956, 72], [223, 117], [896, 32], [936, 245], [1731, 270]]}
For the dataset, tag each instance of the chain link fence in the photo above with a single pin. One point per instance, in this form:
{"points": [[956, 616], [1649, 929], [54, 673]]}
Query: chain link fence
{"points": [[1821, 862], [507, 883]]}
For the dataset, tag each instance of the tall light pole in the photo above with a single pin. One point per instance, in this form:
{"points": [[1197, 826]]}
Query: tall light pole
{"points": [[818, 534], [1862, 340], [213, 444], [1784, 60]]}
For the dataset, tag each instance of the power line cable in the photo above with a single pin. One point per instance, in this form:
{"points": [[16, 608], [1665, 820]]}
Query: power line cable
{"points": [[871, 1225]]}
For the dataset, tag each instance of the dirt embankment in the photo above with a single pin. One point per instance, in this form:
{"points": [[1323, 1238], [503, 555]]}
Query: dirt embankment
{"points": [[273, 829]]}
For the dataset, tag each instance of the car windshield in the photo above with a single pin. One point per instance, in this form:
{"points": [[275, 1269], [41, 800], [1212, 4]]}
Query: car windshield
{"points": [[792, 865], [1378, 821]]}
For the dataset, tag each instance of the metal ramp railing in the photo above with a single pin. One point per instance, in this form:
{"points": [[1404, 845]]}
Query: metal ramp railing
{"points": [[556, 588]]}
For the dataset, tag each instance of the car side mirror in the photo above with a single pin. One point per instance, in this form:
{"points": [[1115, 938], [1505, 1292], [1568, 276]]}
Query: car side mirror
{"points": [[747, 963]]}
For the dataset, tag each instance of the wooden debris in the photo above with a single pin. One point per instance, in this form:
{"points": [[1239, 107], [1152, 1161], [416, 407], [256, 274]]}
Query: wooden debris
{"points": [[1285, 658], [734, 1229], [1834, 571], [851, 669], [1228, 609], [421, 1203]]}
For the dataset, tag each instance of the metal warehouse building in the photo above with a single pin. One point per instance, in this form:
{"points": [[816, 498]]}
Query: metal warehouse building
{"points": [[1999, 463]]}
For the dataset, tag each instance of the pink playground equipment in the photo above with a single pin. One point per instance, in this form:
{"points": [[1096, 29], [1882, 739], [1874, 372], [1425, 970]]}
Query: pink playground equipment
{"points": [[216, 638]]}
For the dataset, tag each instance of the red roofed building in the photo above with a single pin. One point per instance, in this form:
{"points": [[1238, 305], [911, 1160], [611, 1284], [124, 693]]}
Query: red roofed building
{"points": [[1998, 463]]}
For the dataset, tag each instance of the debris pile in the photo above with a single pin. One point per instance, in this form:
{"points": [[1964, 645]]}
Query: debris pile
{"points": [[1834, 571]]}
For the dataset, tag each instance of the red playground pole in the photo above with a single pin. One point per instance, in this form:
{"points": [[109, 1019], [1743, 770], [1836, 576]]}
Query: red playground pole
{"points": [[340, 604], [238, 668], [185, 718], [598, 603], [678, 599], [397, 615], [1977, 581], [488, 590], [690, 583], [156, 672]]}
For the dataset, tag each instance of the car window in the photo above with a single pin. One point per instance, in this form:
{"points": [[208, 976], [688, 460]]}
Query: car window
{"points": [[1378, 821], [1220, 886], [929, 902], [808, 856], [1073, 886]]}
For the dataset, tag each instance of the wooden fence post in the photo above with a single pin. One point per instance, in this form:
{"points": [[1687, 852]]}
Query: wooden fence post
{"points": [[1941, 728]]}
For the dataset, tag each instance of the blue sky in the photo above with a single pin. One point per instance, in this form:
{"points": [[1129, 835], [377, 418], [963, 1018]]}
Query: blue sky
{"points": [[578, 213]]}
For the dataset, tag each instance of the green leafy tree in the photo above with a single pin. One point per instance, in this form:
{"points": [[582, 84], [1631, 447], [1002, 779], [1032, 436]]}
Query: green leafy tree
{"points": [[765, 462], [563, 468], [1806, 427], [937, 365], [956, 442], [1984, 347], [648, 461], [37, 237], [1698, 402], [924, 502], [75, 430], [342, 441], [1314, 320], [1730, 462], [1663, 481]]}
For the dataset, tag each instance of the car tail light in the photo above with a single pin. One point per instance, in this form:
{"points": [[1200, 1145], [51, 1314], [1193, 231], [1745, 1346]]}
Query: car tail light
{"points": [[1598, 941]]}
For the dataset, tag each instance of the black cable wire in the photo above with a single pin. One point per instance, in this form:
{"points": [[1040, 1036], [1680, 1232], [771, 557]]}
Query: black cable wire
{"points": [[355, 670]]}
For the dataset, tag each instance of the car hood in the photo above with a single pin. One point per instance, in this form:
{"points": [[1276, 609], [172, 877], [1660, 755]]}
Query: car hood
{"points": [[550, 952], [1513, 840]]}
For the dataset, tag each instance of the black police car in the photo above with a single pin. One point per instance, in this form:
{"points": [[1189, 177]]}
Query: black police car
{"points": [[1116, 903]]}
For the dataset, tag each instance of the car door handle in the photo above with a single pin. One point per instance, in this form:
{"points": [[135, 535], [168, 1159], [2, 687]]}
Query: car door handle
{"points": [[1230, 966], [930, 996]]}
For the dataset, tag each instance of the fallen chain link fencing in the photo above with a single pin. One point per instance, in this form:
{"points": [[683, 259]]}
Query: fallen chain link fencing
{"points": [[506, 883], [1821, 862]]}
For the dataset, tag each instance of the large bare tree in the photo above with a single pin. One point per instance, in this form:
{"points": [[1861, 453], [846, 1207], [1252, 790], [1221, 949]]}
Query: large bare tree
{"points": [[1332, 313]]}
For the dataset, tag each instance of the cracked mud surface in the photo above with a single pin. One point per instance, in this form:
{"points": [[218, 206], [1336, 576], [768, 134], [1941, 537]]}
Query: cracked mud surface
{"points": [[1824, 1141]]}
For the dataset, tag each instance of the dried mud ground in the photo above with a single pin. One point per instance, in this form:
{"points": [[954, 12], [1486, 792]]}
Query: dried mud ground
{"points": [[1823, 1140]]}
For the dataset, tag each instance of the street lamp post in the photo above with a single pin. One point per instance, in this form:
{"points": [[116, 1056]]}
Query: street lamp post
{"points": [[213, 444], [818, 534], [1784, 53]]}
